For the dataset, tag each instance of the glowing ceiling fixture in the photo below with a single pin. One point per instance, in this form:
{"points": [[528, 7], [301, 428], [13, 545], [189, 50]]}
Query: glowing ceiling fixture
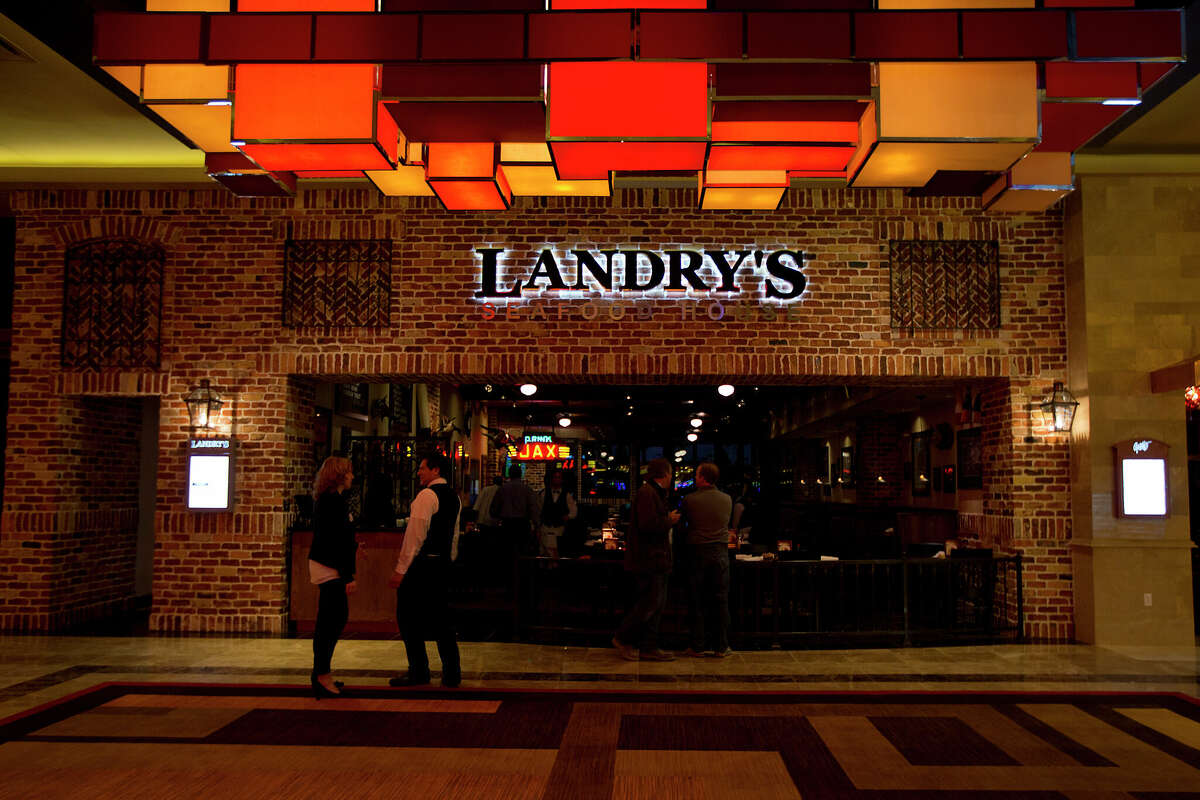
{"points": [[564, 421], [528, 389], [725, 390], [696, 422], [547, 124], [693, 436]]}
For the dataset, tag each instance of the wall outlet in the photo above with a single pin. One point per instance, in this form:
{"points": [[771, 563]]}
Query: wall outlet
{"points": [[1148, 599]]}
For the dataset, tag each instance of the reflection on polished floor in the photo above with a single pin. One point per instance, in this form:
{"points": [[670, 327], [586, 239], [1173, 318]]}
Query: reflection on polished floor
{"points": [[38, 669]]}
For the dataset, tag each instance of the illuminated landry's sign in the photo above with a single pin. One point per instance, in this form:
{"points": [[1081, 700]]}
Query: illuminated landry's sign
{"points": [[641, 273]]}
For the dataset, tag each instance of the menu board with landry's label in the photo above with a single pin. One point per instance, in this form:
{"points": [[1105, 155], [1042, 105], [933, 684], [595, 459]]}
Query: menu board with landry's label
{"points": [[1140, 474], [210, 474]]}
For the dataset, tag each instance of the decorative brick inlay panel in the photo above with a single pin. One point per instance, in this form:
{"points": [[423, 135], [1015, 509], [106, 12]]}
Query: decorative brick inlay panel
{"points": [[150, 384], [879, 454], [221, 313]]}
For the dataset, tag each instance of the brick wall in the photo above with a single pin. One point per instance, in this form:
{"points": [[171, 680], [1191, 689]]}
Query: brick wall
{"points": [[879, 439], [73, 559], [221, 321]]}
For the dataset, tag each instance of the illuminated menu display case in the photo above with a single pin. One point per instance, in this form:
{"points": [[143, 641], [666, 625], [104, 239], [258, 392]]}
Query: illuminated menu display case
{"points": [[210, 474], [1140, 471]]}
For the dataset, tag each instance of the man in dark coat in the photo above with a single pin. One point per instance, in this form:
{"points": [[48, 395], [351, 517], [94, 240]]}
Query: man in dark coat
{"points": [[516, 507], [648, 560]]}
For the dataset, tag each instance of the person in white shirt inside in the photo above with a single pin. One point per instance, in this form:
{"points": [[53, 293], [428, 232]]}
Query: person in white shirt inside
{"points": [[558, 506], [422, 574]]}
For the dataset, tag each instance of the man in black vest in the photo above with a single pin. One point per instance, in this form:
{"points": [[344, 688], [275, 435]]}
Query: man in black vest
{"points": [[558, 508], [422, 574]]}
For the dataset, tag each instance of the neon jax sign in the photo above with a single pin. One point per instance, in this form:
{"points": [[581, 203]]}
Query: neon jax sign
{"points": [[539, 448], [645, 273]]}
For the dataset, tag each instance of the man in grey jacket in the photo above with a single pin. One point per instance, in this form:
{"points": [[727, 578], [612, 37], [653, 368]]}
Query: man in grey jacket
{"points": [[706, 520]]}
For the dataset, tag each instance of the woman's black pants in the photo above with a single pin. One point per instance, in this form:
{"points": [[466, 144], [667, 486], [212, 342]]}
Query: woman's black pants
{"points": [[332, 612]]}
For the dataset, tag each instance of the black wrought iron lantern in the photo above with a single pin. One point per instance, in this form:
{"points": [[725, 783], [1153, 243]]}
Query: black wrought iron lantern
{"points": [[204, 407], [1059, 407]]}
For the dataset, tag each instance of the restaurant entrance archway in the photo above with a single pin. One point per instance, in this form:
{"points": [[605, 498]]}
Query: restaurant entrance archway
{"points": [[856, 470]]}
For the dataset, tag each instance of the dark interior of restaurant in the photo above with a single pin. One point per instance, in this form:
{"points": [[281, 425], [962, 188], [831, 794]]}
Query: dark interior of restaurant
{"points": [[869, 475]]}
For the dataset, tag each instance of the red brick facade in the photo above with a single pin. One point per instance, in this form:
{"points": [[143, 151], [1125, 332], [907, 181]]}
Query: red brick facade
{"points": [[221, 312]]}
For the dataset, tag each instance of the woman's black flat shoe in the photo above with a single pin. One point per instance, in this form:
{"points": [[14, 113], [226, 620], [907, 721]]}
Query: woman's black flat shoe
{"points": [[339, 685], [320, 691]]}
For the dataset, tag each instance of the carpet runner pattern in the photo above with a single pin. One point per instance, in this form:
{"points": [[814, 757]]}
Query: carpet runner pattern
{"points": [[220, 741]]}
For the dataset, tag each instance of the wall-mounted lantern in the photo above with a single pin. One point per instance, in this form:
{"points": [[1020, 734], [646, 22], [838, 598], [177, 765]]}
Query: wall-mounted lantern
{"points": [[204, 407], [1059, 407]]}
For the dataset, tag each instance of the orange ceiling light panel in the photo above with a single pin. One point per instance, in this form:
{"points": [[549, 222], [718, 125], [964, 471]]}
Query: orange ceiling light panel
{"points": [[930, 117], [403, 181], [193, 99], [313, 117], [205, 126], [413, 153], [460, 160], [130, 77], [909, 164], [594, 160], [778, 157], [744, 198], [744, 177], [174, 83], [751, 190], [524, 153], [467, 176], [1034, 183], [934, 101], [868, 135], [474, 195], [623, 100], [534, 181], [187, 5]]}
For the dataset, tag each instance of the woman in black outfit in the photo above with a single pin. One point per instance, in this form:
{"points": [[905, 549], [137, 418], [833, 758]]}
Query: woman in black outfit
{"points": [[331, 567]]}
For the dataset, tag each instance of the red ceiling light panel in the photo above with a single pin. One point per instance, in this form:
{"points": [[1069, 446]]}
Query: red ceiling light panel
{"points": [[626, 116], [424, 96], [313, 117], [627, 100], [467, 176]]}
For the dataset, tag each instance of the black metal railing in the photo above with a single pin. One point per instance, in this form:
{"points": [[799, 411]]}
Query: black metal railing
{"points": [[782, 603]]}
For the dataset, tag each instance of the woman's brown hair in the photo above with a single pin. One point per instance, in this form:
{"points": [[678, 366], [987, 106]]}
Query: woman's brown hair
{"points": [[330, 475]]}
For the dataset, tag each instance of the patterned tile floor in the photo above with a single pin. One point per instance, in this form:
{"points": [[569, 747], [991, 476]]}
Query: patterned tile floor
{"points": [[193, 741], [37, 669]]}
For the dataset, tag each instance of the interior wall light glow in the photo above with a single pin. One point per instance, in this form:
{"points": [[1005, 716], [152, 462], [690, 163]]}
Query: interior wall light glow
{"points": [[693, 436], [695, 422], [528, 389], [725, 390]]}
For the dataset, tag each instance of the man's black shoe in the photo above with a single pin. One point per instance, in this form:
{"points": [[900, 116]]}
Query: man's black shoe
{"points": [[408, 680], [451, 684]]}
